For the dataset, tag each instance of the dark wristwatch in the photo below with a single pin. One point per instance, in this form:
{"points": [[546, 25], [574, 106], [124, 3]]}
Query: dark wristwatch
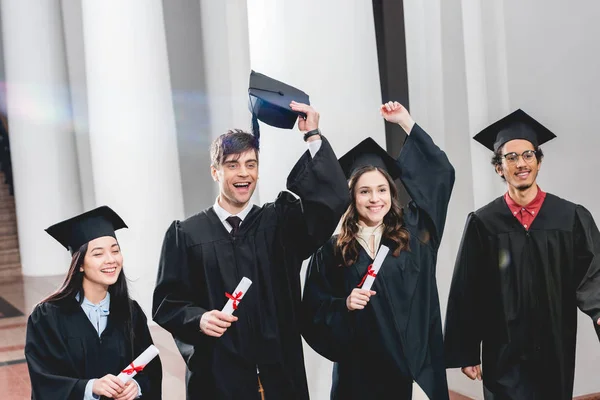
{"points": [[311, 133]]}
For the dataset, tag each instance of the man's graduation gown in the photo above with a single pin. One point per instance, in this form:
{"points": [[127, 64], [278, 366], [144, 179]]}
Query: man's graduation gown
{"points": [[64, 352], [518, 292], [397, 337], [201, 261]]}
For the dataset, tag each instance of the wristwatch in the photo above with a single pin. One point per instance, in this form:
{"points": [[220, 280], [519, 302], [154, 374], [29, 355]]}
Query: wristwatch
{"points": [[311, 133]]}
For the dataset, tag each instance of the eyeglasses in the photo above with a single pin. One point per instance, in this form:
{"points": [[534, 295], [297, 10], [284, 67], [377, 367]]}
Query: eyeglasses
{"points": [[513, 158]]}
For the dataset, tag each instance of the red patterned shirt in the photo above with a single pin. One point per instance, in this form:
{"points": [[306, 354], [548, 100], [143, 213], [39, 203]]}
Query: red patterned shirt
{"points": [[526, 214]]}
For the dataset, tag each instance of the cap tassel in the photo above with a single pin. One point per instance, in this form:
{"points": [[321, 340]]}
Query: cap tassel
{"points": [[256, 130]]}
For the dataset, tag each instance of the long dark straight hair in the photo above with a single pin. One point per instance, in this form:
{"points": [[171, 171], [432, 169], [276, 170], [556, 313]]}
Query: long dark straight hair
{"points": [[393, 221], [121, 305]]}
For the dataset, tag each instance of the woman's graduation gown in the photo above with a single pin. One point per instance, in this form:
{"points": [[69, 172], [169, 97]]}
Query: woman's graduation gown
{"points": [[64, 352], [398, 336]]}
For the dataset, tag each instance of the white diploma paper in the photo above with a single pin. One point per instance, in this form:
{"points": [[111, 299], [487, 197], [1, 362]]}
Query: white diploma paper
{"points": [[238, 294], [138, 364], [381, 254]]}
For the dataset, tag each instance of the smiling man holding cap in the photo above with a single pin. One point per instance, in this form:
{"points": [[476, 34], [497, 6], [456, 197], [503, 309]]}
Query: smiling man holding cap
{"points": [[258, 351]]}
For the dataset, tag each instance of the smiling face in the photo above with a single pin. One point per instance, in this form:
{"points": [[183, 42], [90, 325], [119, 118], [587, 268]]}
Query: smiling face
{"points": [[237, 177], [103, 262], [520, 174], [372, 198]]}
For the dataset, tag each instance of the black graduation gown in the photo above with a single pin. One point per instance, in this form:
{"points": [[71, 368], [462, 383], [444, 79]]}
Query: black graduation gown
{"points": [[517, 291], [397, 338], [64, 352], [201, 261]]}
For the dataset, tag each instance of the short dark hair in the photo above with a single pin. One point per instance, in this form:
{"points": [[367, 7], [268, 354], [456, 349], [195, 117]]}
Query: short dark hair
{"points": [[235, 141], [497, 157]]}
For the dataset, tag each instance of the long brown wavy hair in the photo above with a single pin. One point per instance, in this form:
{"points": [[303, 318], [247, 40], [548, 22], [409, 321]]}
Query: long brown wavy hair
{"points": [[393, 221]]}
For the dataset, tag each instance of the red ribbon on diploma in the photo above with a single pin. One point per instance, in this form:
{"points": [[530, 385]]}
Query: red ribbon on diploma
{"points": [[236, 298], [132, 368], [370, 272]]}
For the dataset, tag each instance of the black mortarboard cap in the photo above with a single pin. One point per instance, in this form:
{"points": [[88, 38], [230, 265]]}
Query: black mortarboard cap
{"points": [[518, 125], [75, 232], [270, 102], [368, 152]]}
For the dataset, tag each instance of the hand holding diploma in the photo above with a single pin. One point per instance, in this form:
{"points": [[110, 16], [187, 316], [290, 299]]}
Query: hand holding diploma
{"points": [[214, 323], [109, 386], [130, 391], [358, 299]]}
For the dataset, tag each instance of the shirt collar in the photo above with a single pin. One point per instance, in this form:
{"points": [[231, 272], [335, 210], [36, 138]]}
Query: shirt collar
{"points": [[103, 306], [368, 230], [224, 214], [533, 205]]}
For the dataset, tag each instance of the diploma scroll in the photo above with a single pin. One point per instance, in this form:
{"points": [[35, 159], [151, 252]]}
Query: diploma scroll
{"points": [[373, 269], [236, 296], [138, 364]]}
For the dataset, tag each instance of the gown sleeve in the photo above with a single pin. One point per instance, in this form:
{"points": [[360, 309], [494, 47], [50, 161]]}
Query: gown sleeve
{"points": [[322, 188], [150, 378], [175, 303], [463, 334], [48, 361], [328, 325], [587, 264], [428, 177]]}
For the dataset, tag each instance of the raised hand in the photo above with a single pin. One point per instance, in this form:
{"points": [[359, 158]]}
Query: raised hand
{"points": [[215, 323], [358, 299], [312, 117], [396, 113]]}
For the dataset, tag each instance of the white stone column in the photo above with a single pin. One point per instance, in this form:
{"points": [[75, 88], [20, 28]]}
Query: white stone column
{"points": [[75, 60], [42, 143], [226, 61], [132, 129]]}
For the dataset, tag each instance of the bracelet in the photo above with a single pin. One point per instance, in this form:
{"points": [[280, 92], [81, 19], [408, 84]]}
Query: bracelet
{"points": [[311, 133]]}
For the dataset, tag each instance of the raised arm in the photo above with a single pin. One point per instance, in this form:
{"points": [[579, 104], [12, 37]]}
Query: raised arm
{"points": [[321, 185], [426, 171]]}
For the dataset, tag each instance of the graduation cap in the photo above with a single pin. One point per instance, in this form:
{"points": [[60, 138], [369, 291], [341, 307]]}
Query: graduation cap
{"points": [[270, 102], [368, 152], [518, 125], [75, 232]]}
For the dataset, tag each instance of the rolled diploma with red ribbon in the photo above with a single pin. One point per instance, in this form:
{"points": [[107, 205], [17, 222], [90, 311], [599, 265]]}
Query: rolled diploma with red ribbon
{"points": [[236, 296], [381, 254], [138, 364]]}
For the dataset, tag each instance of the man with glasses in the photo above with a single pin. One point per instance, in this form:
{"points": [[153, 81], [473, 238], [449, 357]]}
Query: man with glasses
{"points": [[526, 262]]}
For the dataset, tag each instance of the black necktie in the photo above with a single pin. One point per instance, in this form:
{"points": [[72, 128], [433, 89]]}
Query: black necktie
{"points": [[235, 223]]}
